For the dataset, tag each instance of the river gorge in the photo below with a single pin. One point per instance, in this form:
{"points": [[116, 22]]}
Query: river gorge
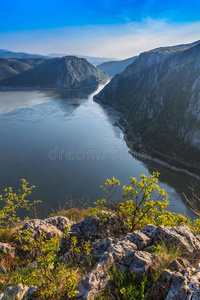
{"points": [[66, 144]]}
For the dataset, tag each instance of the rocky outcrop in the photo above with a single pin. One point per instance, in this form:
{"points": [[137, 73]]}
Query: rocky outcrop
{"points": [[60, 222], [127, 252], [95, 228], [40, 227], [181, 235], [122, 252], [183, 281], [18, 292], [50, 227], [7, 249]]}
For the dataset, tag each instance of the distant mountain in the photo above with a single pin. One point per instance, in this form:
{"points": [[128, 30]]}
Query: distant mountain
{"points": [[33, 62], [66, 72], [115, 67], [10, 67], [160, 95], [93, 60], [11, 54]]}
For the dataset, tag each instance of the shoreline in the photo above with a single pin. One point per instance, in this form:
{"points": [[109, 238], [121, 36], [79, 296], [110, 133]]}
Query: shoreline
{"points": [[145, 156], [14, 89]]}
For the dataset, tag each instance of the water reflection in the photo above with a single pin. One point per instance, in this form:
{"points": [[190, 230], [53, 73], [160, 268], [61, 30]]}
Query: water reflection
{"points": [[82, 93], [70, 121], [14, 100]]}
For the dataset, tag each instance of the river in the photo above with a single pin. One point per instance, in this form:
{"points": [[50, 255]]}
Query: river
{"points": [[66, 145]]}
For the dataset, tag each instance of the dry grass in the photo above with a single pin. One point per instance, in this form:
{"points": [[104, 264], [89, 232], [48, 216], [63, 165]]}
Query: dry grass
{"points": [[166, 253], [74, 214], [10, 265], [6, 235]]}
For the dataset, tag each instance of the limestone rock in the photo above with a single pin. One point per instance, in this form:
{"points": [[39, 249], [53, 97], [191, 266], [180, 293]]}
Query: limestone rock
{"points": [[97, 280], [93, 228], [113, 251], [60, 222], [150, 230], [38, 228], [131, 241], [7, 249], [3, 269], [137, 262], [33, 265], [101, 247], [18, 292], [180, 235], [184, 283], [179, 289], [140, 239], [168, 275]]}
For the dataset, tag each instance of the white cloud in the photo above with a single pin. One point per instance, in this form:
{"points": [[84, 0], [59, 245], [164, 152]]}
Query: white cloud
{"points": [[120, 41]]}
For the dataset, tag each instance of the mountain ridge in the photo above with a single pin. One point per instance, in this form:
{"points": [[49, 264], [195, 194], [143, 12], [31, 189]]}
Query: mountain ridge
{"points": [[66, 72], [160, 95], [12, 54]]}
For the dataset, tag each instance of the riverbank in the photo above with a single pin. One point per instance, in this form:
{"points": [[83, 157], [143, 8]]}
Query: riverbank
{"points": [[141, 152], [38, 88]]}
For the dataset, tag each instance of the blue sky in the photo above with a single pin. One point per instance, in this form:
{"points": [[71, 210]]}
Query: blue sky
{"points": [[112, 28]]}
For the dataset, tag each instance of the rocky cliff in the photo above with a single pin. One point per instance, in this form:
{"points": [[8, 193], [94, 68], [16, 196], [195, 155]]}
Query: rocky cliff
{"points": [[67, 72], [160, 95]]}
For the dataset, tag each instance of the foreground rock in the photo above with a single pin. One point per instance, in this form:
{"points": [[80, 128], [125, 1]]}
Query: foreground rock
{"points": [[60, 222], [128, 252], [92, 228], [7, 249], [121, 252], [181, 235], [18, 292], [180, 282], [51, 227]]}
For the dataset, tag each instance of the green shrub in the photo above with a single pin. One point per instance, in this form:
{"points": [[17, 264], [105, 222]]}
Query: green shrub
{"points": [[143, 202], [11, 202], [53, 278]]}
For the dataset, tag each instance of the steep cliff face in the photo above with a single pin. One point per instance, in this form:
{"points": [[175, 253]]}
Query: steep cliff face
{"points": [[160, 94], [66, 72]]}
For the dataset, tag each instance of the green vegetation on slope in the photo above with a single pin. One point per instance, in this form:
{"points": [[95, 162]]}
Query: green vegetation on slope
{"points": [[159, 94], [12, 66], [57, 280], [66, 72]]}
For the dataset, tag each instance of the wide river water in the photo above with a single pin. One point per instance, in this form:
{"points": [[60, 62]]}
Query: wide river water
{"points": [[66, 144]]}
